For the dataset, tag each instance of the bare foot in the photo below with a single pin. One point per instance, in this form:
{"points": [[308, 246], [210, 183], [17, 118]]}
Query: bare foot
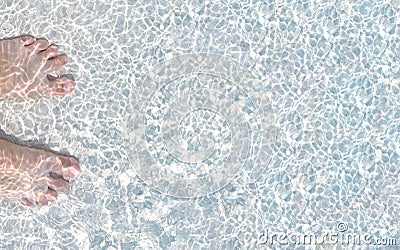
{"points": [[32, 176], [25, 65]]}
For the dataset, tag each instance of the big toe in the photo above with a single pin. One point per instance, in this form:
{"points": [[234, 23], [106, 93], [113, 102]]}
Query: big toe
{"points": [[61, 86], [70, 167]]}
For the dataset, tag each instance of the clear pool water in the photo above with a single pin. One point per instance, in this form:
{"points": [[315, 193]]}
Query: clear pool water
{"points": [[215, 124]]}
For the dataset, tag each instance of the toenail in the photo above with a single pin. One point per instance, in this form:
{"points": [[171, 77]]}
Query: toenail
{"points": [[62, 87], [64, 60], [71, 172], [65, 86], [54, 49], [51, 197]]}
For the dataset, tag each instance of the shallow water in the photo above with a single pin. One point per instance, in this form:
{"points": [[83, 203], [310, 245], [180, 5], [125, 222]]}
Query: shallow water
{"points": [[178, 100]]}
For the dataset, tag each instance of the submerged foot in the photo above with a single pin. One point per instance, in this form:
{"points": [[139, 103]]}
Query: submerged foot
{"points": [[25, 65], [32, 176]]}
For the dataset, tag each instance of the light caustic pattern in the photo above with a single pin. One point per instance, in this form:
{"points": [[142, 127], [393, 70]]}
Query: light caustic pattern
{"points": [[196, 122]]}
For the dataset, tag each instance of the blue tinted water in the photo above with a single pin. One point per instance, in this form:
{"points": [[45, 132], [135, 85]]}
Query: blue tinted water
{"points": [[314, 102]]}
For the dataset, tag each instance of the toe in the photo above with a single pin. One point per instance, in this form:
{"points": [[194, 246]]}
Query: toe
{"points": [[70, 167], [50, 52], [55, 63], [39, 45], [58, 184], [50, 196], [27, 40], [61, 86]]}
